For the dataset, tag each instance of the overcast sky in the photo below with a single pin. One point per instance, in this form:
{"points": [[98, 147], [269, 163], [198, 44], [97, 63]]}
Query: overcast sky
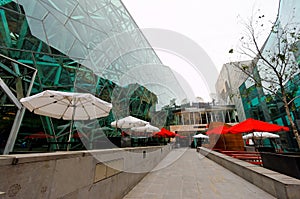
{"points": [[215, 25]]}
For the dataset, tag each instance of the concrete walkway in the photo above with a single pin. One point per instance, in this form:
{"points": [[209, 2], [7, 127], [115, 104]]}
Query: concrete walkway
{"points": [[186, 174]]}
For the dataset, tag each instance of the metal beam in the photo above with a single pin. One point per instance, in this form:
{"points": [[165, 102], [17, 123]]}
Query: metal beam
{"points": [[22, 35], [17, 122], [6, 68], [10, 94], [20, 113], [14, 131], [5, 29]]}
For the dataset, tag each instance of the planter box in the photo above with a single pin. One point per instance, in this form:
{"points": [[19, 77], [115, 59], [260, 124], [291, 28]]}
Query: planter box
{"points": [[285, 163]]}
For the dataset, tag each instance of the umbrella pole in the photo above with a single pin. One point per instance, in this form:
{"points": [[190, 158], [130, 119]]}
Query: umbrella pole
{"points": [[70, 135], [55, 137], [71, 127]]}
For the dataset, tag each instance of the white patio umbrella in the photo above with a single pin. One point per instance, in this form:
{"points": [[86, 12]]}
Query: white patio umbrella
{"points": [[128, 122], [260, 135], [200, 136], [67, 106], [148, 128]]}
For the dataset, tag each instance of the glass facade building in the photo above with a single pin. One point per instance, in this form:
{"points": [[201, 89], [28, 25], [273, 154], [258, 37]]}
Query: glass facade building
{"points": [[260, 103], [89, 46]]}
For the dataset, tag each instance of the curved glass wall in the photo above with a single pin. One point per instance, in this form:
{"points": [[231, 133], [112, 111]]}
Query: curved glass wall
{"points": [[79, 46]]}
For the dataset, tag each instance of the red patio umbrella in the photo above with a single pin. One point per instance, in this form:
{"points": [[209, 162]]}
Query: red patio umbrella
{"points": [[252, 125], [165, 133], [168, 133], [217, 130], [160, 134], [39, 135]]}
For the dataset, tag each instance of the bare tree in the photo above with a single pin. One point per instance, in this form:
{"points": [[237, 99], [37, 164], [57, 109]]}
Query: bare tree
{"points": [[275, 62]]}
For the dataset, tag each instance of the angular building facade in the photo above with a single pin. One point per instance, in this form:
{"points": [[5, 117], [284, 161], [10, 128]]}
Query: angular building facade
{"points": [[257, 101], [228, 82], [91, 46]]}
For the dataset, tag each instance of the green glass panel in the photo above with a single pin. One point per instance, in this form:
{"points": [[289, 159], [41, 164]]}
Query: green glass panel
{"points": [[297, 100], [3, 2], [279, 121], [254, 102]]}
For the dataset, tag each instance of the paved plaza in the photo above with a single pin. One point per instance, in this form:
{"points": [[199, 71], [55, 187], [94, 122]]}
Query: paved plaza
{"points": [[186, 174]]}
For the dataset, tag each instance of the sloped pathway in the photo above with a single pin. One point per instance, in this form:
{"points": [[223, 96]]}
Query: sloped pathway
{"points": [[186, 174]]}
